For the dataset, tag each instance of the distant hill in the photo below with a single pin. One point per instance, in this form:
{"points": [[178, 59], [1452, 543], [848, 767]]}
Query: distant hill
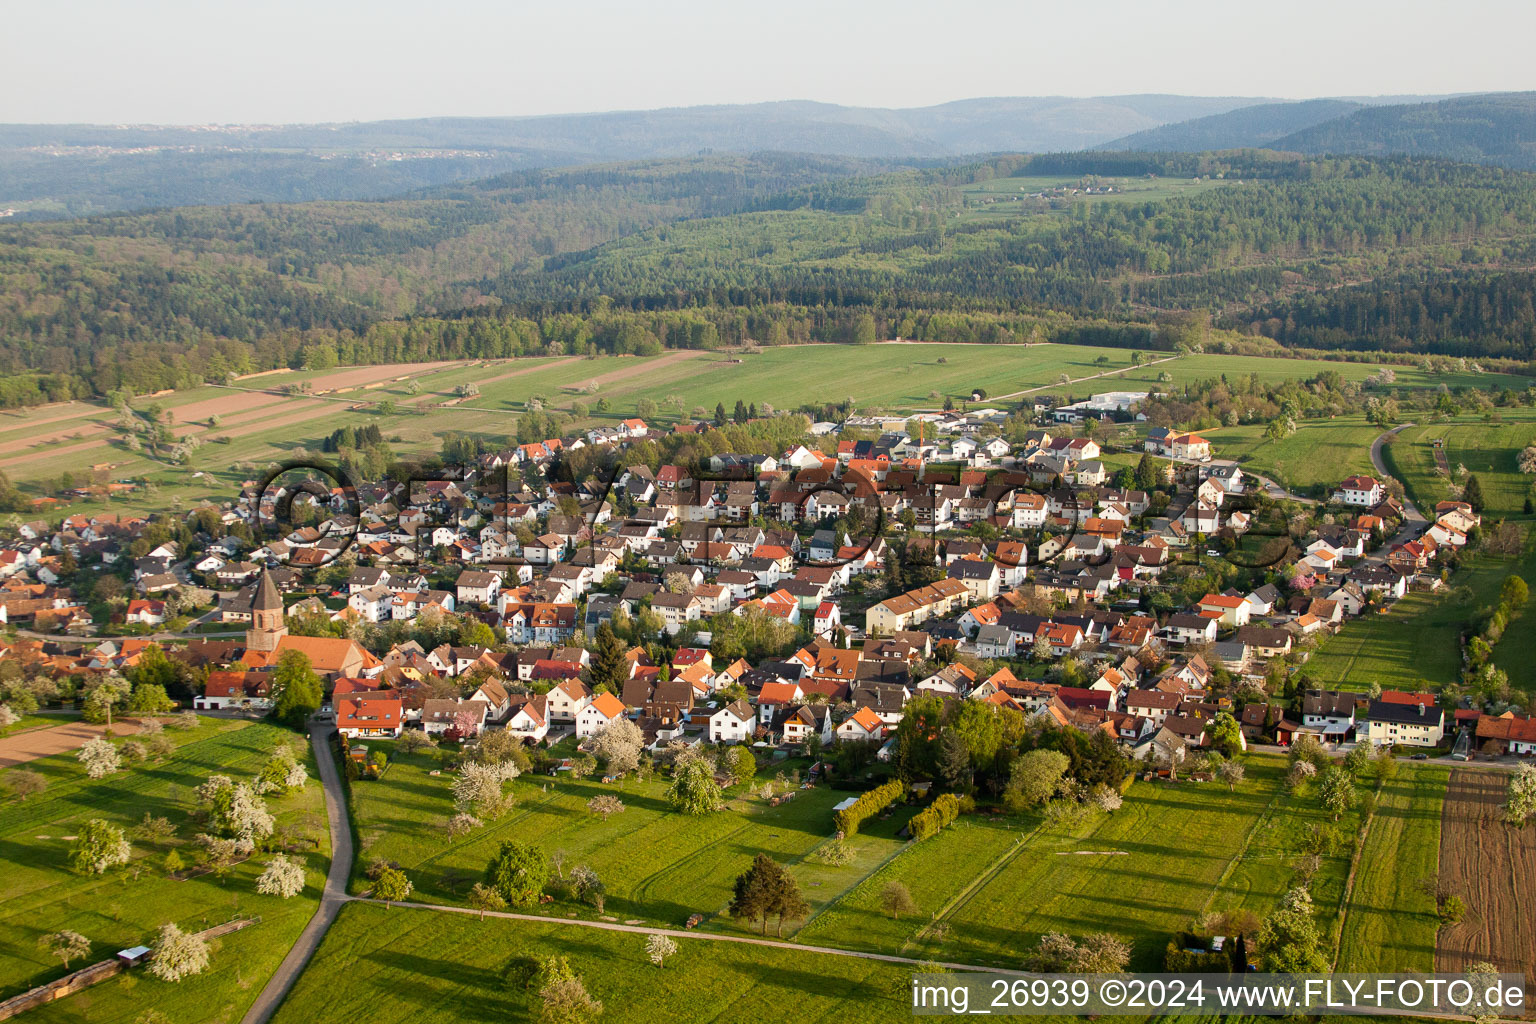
{"points": [[1498, 128], [69, 170], [1247, 127]]}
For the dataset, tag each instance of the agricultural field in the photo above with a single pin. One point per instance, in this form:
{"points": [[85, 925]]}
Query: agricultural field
{"points": [[1485, 448], [1315, 458], [423, 967], [1417, 642], [1490, 866], [1389, 921], [81, 438], [39, 894]]}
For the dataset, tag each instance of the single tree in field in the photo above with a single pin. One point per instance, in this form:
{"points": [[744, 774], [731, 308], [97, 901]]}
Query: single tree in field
{"points": [[897, 900], [65, 945], [282, 877], [1336, 790], [177, 954], [766, 890], [518, 872], [694, 789], [391, 886], [99, 756], [567, 1002], [1034, 777], [1520, 797], [98, 846], [1230, 772], [658, 947], [1452, 910], [619, 746], [605, 804], [485, 898]]}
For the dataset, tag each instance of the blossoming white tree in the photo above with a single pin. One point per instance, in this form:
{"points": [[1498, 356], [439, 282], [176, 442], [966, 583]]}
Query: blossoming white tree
{"points": [[282, 877], [177, 954], [100, 757]]}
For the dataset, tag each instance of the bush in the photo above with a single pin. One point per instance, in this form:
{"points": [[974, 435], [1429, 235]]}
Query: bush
{"points": [[941, 812], [866, 806]]}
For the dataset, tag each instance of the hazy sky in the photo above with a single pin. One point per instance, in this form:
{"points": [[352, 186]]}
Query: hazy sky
{"points": [[177, 61]]}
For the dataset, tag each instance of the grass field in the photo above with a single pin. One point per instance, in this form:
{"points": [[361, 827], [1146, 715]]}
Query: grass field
{"points": [[434, 968], [656, 864], [1485, 448], [39, 894], [927, 870], [1389, 922], [1319, 454], [1168, 855], [1417, 642]]}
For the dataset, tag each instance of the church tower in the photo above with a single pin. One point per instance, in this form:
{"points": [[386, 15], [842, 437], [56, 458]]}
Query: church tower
{"points": [[267, 627]]}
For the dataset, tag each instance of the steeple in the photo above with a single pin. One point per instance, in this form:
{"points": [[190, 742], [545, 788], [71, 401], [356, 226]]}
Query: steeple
{"points": [[267, 626]]}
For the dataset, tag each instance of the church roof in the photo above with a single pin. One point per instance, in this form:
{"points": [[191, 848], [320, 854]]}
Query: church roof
{"points": [[267, 598]]}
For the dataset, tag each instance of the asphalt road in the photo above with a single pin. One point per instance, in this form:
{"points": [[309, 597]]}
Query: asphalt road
{"points": [[331, 899]]}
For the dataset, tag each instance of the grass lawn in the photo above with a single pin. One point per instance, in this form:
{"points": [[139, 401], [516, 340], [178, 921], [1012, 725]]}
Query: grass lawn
{"points": [[1319, 454], [1485, 448], [1417, 641], [424, 967], [1389, 924], [39, 894]]}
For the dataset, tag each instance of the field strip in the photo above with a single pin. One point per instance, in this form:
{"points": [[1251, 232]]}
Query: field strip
{"points": [[1349, 881], [1237, 858], [993, 870], [838, 896]]}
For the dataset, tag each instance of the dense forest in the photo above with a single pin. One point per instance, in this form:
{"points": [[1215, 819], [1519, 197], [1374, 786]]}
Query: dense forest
{"points": [[1394, 255]]}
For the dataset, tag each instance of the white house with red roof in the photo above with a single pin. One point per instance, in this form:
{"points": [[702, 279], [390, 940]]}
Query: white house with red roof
{"points": [[599, 714], [861, 726], [529, 718], [1229, 609], [146, 612], [827, 621], [1365, 491]]}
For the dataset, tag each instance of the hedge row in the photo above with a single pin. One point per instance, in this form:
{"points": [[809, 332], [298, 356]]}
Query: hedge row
{"points": [[871, 803], [941, 812]]}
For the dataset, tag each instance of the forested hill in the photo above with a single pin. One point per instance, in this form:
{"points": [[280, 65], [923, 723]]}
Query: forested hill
{"points": [[1245, 128], [75, 170], [1495, 129], [1391, 255]]}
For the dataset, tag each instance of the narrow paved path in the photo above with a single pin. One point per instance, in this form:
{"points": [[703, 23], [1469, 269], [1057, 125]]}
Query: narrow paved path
{"points": [[1409, 508], [677, 933], [331, 899]]}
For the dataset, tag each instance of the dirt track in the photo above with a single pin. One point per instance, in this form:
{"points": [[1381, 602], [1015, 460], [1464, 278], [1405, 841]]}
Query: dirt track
{"points": [[29, 746], [1493, 868]]}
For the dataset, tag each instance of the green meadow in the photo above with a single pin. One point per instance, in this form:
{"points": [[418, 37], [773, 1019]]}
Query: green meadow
{"points": [[123, 907]]}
